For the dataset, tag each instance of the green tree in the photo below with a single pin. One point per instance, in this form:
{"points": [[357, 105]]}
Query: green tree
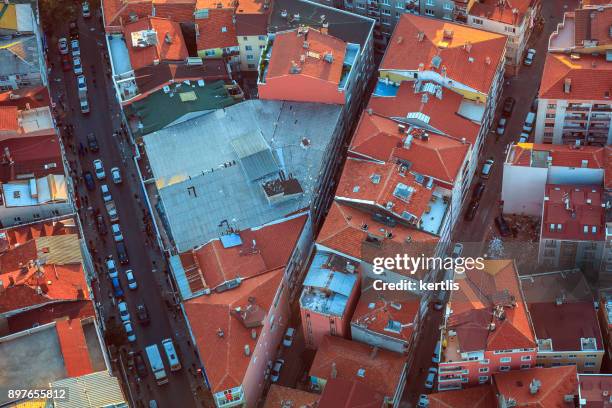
{"points": [[114, 334], [53, 12]]}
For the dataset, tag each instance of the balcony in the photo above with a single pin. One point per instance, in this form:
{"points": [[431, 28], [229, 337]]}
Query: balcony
{"points": [[264, 61], [350, 56]]}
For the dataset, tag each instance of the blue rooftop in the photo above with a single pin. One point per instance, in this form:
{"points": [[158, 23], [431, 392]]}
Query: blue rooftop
{"points": [[383, 88]]}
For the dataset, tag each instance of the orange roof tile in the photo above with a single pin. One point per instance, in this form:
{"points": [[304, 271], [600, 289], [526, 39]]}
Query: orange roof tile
{"points": [[357, 185], [343, 231], [217, 31], [442, 113], [595, 389], [511, 12], [35, 97], [589, 78], [170, 43], [340, 393], [211, 264], [74, 347], [405, 52], [528, 154], [383, 368], [8, 118], [72, 309], [279, 395], [473, 305], [289, 48], [592, 24], [215, 4], [585, 210], [474, 397], [223, 355], [377, 137], [556, 383], [608, 168], [117, 13]]}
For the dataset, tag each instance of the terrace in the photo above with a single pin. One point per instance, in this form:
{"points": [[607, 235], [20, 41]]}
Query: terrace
{"points": [[433, 218], [352, 50]]}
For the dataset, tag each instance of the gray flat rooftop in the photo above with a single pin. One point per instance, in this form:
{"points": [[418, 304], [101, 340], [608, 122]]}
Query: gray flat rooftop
{"points": [[207, 170]]}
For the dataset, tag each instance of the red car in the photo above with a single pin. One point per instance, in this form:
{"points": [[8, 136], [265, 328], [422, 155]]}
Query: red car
{"points": [[66, 65]]}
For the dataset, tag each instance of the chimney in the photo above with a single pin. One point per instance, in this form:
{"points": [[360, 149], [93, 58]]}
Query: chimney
{"points": [[334, 371], [420, 36], [374, 352], [567, 85], [1, 286], [253, 334], [247, 350], [168, 39], [534, 386]]}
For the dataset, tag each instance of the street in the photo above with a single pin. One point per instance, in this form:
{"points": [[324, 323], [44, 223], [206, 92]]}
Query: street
{"points": [[147, 263]]}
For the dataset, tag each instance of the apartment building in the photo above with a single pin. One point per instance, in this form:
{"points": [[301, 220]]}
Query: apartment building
{"points": [[252, 34], [118, 13], [594, 389], [239, 309], [564, 319], [216, 37], [279, 395], [604, 315], [530, 167], [572, 227], [486, 327]]}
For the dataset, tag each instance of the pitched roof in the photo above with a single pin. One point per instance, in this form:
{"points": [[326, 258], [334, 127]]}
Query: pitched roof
{"points": [[289, 47], [378, 137], [592, 24], [78, 309], [595, 389], [442, 113], [8, 118], [278, 396], [480, 291], [340, 393], [608, 168], [530, 155], [511, 12], [343, 231], [220, 336], [589, 77], [74, 347], [31, 155], [117, 13], [474, 397], [251, 24], [34, 97], [217, 31], [556, 383], [406, 52], [382, 368], [584, 210], [170, 45]]}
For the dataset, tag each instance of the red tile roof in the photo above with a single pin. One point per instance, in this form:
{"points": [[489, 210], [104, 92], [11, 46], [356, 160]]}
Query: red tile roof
{"points": [[593, 389], [248, 24], [592, 24], [343, 231], [340, 393], [473, 305], [511, 12], [556, 383], [589, 78], [357, 185], [527, 154], [278, 396], [474, 397], [223, 356], [289, 48], [30, 155], [383, 368], [35, 97], [217, 31], [8, 118], [608, 168], [377, 137], [442, 113], [117, 12], [211, 264], [46, 314], [581, 213], [74, 347], [170, 43], [405, 52]]}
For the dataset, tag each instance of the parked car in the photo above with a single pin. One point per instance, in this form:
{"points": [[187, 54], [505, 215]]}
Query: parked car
{"points": [[502, 226], [84, 105], [99, 169], [75, 48], [92, 142], [117, 289], [529, 57], [141, 367], [471, 211], [508, 106], [479, 189], [436, 353], [124, 313], [76, 63], [101, 225], [501, 126], [106, 195], [66, 65], [486, 168], [116, 175], [62, 45], [131, 280], [111, 268], [431, 378], [524, 137], [534, 105], [129, 330], [528, 124], [122, 253], [86, 10], [278, 365], [73, 27], [81, 84], [423, 401], [89, 181], [288, 339], [143, 314], [117, 235], [457, 250]]}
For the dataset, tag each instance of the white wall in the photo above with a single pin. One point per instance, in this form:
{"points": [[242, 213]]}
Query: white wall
{"points": [[523, 189]]}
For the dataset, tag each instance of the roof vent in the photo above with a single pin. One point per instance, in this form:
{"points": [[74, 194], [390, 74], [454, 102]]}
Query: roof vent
{"points": [[400, 39], [567, 85], [569, 397], [253, 334], [488, 60], [295, 68], [296, 17], [305, 45], [361, 372], [334, 370], [467, 46], [168, 38], [328, 57], [436, 61], [284, 13], [220, 332], [247, 350], [448, 34], [534, 386], [420, 36]]}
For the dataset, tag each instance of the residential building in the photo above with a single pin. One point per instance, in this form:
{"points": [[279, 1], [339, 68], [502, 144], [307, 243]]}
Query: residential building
{"points": [[216, 37], [386, 319], [529, 167], [604, 315], [117, 14], [252, 34], [22, 56], [594, 390], [482, 396], [381, 370], [564, 319], [574, 100], [278, 396], [583, 31], [238, 323], [572, 227], [26, 98], [90, 391], [606, 263], [486, 328], [329, 297], [443, 9], [340, 393]]}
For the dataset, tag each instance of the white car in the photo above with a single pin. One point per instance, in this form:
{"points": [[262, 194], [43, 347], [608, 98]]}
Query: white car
{"points": [[423, 401], [501, 126], [116, 175], [436, 353], [524, 137], [86, 10], [457, 250], [486, 168], [276, 370], [99, 169], [106, 195], [132, 284], [529, 57], [62, 44], [76, 65], [81, 84], [124, 313], [111, 268], [84, 105], [129, 330], [117, 232], [431, 378], [288, 339], [76, 50]]}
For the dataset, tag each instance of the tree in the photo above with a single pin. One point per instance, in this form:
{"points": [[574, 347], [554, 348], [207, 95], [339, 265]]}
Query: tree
{"points": [[53, 12], [114, 334]]}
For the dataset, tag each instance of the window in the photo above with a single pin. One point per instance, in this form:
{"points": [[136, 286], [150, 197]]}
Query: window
{"points": [[398, 14], [483, 378], [555, 364], [485, 361], [36, 215], [17, 219], [509, 29], [430, 3], [551, 106], [262, 38], [525, 366], [385, 2], [244, 38], [477, 21], [504, 368], [591, 356], [558, 356], [248, 48], [464, 379], [505, 359], [261, 47], [399, 4], [526, 358], [385, 21], [250, 57], [386, 12], [209, 53], [429, 12], [251, 66], [448, 6], [550, 115], [483, 370], [360, 6]]}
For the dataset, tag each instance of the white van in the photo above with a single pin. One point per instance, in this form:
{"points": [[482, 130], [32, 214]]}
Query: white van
{"points": [[173, 360], [528, 125]]}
